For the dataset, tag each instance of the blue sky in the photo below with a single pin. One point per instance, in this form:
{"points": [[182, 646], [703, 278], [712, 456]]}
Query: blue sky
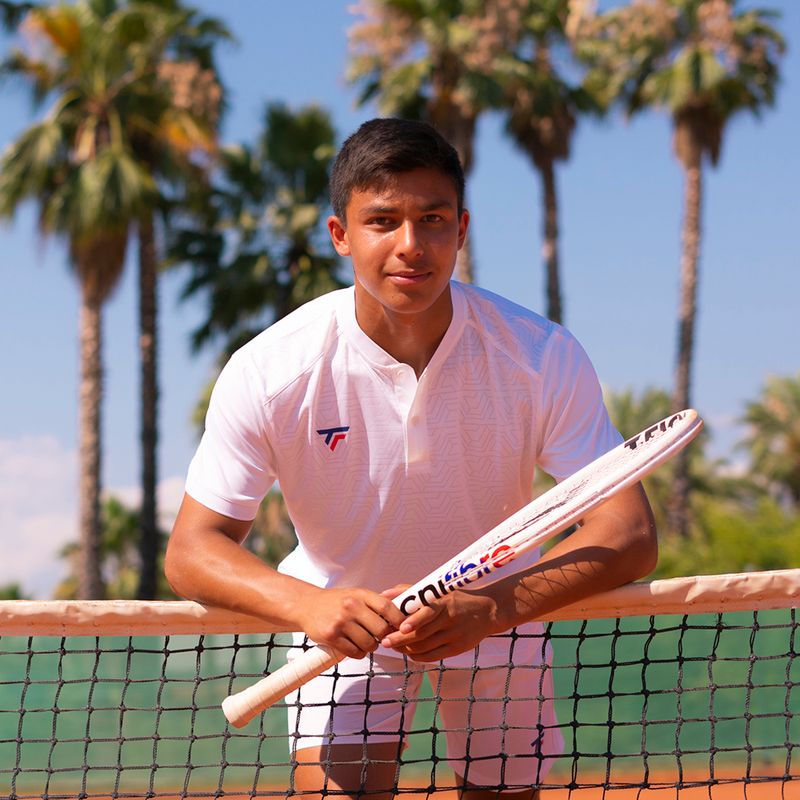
{"points": [[621, 198]]}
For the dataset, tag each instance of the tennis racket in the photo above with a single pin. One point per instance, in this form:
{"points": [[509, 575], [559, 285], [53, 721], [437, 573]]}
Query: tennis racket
{"points": [[491, 557]]}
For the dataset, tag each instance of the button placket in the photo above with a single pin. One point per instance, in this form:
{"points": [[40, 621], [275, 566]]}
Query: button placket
{"points": [[416, 428]]}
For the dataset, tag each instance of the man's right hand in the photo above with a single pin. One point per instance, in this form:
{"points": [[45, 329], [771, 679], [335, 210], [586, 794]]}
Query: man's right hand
{"points": [[352, 621], [205, 562]]}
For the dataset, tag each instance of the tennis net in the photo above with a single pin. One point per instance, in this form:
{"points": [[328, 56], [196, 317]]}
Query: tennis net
{"points": [[689, 685]]}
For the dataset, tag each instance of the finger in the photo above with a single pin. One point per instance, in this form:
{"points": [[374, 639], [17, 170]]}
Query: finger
{"points": [[395, 591], [432, 649], [359, 641], [359, 632], [436, 654], [430, 630], [395, 641], [374, 613], [382, 617], [420, 619]]}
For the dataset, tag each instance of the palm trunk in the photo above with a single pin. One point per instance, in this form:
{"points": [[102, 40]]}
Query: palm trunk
{"points": [[459, 130], [687, 317], [465, 265], [90, 580], [550, 242], [463, 142], [148, 310]]}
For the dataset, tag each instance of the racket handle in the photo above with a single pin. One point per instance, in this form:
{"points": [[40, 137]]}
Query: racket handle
{"points": [[241, 707]]}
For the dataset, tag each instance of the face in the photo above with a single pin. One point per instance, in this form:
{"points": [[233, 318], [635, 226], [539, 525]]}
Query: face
{"points": [[403, 240]]}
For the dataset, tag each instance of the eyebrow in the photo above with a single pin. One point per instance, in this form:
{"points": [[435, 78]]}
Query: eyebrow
{"points": [[379, 208]]}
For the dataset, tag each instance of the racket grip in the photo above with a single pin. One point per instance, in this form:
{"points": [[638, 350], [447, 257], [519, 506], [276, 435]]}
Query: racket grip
{"points": [[241, 707]]}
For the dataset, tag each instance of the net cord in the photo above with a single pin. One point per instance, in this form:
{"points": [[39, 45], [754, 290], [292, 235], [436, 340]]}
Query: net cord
{"points": [[698, 594]]}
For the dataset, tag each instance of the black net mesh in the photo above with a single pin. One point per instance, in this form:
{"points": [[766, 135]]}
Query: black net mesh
{"points": [[701, 700]]}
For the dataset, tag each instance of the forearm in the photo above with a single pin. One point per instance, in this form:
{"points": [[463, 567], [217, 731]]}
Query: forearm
{"points": [[209, 565], [614, 546], [206, 562], [225, 575]]}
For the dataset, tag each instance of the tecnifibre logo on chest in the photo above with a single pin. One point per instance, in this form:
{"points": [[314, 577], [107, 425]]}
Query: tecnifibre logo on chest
{"points": [[332, 436]]}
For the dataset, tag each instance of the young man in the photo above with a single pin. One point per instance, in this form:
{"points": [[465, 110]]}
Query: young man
{"points": [[404, 418]]}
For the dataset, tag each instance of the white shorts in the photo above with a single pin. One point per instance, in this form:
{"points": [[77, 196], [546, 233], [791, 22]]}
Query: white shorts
{"points": [[498, 721]]}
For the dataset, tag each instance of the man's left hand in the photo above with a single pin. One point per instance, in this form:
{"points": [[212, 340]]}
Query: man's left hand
{"points": [[451, 625]]}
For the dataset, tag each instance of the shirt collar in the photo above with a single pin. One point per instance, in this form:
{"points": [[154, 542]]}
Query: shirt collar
{"points": [[376, 355]]}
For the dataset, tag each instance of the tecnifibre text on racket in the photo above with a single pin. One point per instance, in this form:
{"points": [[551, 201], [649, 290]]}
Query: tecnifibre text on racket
{"points": [[492, 555]]}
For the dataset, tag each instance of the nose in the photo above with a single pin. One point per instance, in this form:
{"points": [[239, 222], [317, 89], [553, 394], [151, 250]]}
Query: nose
{"points": [[409, 244]]}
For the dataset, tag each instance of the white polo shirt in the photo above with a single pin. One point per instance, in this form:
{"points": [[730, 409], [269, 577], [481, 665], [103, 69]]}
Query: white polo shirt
{"points": [[386, 476]]}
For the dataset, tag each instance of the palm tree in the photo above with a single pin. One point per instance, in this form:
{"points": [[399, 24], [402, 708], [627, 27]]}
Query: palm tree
{"points": [[542, 112], [12, 591], [273, 536], [188, 124], [98, 61], [255, 244], [255, 248], [434, 60], [704, 61], [11, 13], [774, 438], [120, 556], [72, 163]]}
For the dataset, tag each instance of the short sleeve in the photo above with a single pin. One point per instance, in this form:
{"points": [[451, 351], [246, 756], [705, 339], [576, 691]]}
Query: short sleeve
{"points": [[575, 427], [233, 467]]}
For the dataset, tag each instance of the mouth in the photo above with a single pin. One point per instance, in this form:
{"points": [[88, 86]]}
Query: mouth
{"points": [[408, 278]]}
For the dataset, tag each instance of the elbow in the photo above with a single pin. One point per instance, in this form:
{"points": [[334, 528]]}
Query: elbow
{"points": [[641, 548], [175, 569], [649, 559], [644, 551]]}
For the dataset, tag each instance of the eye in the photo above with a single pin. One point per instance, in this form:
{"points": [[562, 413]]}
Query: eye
{"points": [[434, 219], [380, 222]]}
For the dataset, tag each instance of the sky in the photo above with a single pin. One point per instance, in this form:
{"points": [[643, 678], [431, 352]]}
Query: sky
{"points": [[620, 203]]}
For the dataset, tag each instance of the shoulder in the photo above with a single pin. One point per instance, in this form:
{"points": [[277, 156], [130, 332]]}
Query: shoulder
{"points": [[290, 347], [524, 336]]}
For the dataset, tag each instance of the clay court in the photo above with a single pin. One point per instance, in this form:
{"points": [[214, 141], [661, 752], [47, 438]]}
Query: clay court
{"points": [[732, 791]]}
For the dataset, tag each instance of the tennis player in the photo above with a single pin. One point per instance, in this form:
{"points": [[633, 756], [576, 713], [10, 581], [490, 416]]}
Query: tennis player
{"points": [[404, 417]]}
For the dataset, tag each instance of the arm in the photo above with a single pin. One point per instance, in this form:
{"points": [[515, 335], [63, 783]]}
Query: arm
{"points": [[205, 562], [615, 544]]}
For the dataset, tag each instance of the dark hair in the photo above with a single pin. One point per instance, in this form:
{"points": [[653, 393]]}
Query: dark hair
{"points": [[385, 147]]}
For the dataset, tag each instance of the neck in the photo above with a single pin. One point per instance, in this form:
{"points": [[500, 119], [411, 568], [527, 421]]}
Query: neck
{"points": [[409, 338]]}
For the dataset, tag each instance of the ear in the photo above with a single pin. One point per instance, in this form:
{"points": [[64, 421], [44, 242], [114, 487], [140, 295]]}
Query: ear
{"points": [[463, 225], [338, 234]]}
